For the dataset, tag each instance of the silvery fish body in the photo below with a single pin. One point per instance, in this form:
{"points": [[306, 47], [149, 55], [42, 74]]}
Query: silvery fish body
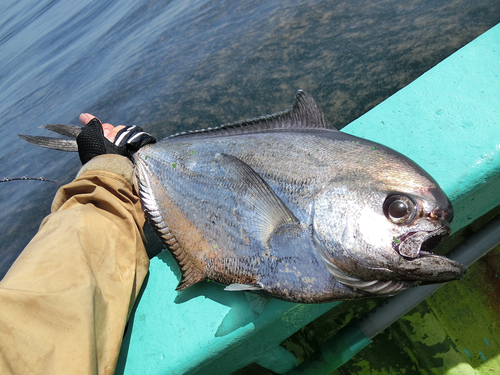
{"points": [[291, 207]]}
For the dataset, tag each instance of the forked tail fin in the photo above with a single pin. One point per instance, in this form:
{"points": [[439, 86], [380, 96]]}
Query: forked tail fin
{"points": [[70, 145]]}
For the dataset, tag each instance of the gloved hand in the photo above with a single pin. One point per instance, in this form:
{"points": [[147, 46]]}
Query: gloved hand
{"points": [[91, 141]]}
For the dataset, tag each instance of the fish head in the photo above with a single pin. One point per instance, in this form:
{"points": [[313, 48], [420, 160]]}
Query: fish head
{"points": [[419, 222], [380, 222]]}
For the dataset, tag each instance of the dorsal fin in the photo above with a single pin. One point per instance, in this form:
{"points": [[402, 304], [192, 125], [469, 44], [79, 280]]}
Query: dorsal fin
{"points": [[304, 114]]}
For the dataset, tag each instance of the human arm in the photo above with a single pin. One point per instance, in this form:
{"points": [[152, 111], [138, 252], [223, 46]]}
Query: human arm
{"points": [[65, 302]]}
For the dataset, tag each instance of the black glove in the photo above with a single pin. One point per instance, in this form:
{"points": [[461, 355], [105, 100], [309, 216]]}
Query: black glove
{"points": [[91, 141]]}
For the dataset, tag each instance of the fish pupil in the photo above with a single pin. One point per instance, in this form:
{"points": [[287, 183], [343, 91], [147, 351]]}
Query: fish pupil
{"points": [[398, 209]]}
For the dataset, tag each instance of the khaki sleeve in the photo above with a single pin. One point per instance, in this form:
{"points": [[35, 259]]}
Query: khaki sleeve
{"points": [[65, 301]]}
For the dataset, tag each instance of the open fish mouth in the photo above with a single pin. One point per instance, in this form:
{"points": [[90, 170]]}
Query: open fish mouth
{"points": [[411, 244], [418, 263]]}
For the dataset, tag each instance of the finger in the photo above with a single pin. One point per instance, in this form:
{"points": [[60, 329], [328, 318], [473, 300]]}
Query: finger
{"points": [[113, 132], [107, 130], [85, 118]]}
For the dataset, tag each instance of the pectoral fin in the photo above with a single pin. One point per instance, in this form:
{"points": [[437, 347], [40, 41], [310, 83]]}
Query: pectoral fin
{"points": [[257, 302], [262, 209]]}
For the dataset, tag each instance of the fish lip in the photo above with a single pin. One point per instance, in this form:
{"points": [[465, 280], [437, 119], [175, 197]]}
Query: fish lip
{"points": [[415, 244]]}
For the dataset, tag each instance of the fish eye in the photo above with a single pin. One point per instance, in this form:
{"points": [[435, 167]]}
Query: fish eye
{"points": [[400, 209]]}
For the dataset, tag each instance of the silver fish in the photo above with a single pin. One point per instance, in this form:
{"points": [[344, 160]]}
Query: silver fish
{"points": [[291, 207], [287, 205]]}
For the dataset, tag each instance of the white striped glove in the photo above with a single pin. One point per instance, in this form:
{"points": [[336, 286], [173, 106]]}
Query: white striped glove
{"points": [[91, 141]]}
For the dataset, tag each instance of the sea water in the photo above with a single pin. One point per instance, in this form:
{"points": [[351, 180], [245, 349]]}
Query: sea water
{"points": [[177, 65]]}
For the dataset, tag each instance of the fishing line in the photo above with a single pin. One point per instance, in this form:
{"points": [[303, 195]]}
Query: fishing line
{"points": [[8, 179]]}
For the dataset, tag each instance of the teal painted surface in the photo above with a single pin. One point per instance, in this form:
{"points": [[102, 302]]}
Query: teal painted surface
{"points": [[205, 330], [448, 121]]}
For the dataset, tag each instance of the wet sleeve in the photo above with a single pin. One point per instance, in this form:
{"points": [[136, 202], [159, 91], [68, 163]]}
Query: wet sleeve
{"points": [[65, 301]]}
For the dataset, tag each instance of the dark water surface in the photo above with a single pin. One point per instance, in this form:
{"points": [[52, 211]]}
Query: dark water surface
{"points": [[178, 65]]}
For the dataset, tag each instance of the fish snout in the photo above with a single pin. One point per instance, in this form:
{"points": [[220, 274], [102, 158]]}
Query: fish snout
{"points": [[431, 269], [442, 215]]}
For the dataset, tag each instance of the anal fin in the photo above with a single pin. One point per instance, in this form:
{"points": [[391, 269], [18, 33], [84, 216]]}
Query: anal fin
{"points": [[190, 274], [155, 202]]}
